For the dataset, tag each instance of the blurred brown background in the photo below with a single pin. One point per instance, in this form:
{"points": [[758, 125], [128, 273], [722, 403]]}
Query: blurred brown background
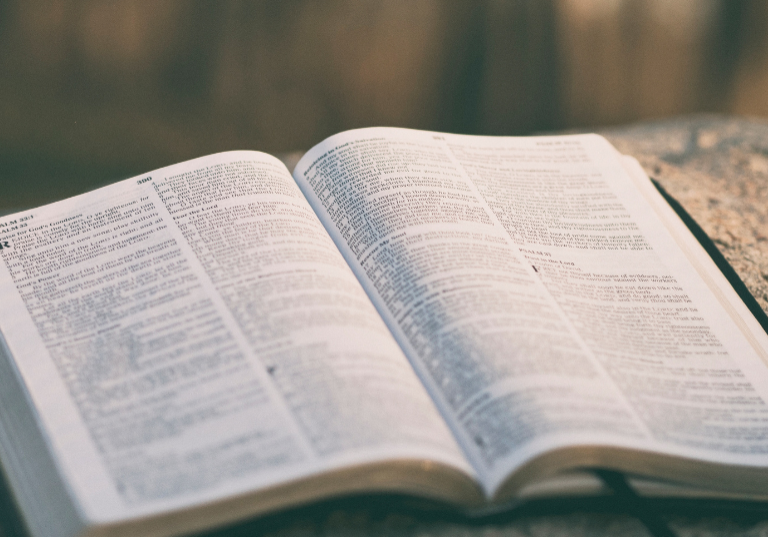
{"points": [[97, 90]]}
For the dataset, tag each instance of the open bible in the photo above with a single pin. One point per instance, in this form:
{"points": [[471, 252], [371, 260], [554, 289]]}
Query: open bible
{"points": [[461, 318]]}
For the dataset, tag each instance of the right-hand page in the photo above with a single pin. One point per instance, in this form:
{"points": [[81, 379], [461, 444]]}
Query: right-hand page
{"points": [[540, 297]]}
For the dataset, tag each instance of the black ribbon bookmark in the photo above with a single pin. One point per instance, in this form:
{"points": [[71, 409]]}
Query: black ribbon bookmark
{"points": [[634, 504]]}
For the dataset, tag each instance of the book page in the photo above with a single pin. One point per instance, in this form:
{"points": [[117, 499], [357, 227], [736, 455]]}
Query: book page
{"points": [[539, 297], [194, 333]]}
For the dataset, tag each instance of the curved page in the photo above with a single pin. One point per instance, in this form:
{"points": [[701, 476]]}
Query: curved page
{"points": [[193, 334], [540, 299]]}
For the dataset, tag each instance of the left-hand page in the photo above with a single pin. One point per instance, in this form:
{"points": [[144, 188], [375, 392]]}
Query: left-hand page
{"points": [[193, 333]]}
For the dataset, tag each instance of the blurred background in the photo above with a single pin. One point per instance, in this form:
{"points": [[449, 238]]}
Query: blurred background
{"points": [[96, 90]]}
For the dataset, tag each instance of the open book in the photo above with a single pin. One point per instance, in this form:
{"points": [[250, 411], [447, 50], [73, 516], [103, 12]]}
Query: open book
{"points": [[461, 318]]}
